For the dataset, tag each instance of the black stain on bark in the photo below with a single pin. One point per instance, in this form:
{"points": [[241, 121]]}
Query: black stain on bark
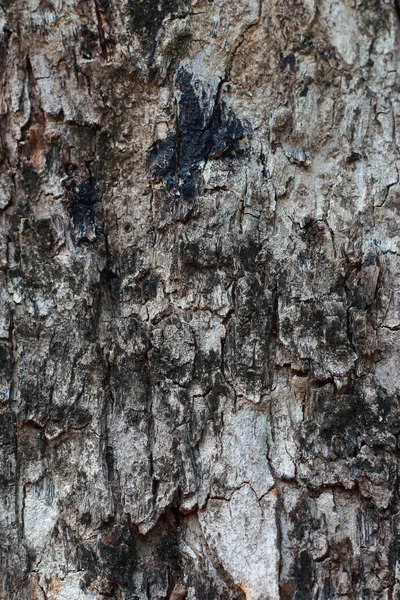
{"points": [[304, 576], [287, 61], [177, 161], [146, 17], [82, 198]]}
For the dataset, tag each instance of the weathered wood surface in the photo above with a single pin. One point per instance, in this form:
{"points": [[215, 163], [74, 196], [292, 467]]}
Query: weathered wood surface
{"points": [[200, 314]]}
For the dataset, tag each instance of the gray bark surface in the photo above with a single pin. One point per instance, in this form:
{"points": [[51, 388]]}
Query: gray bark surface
{"points": [[199, 291]]}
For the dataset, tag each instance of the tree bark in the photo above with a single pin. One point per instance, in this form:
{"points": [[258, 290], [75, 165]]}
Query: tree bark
{"points": [[200, 319]]}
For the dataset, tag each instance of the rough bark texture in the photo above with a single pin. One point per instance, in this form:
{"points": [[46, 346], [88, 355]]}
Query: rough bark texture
{"points": [[200, 313]]}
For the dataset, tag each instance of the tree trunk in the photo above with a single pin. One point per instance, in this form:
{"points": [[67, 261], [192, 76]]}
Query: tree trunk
{"points": [[200, 313]]}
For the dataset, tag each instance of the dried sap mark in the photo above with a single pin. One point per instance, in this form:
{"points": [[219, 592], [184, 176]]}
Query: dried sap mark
{"points": [[176, 162]]}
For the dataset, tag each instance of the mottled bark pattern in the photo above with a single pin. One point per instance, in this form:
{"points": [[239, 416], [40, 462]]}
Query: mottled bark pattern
{"points": [[200, 314]]}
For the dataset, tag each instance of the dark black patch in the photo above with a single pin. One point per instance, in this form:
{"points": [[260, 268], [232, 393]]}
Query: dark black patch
{"points": [[88, 191], [129, 379], [168, 552], [81, 198], [177, 159], [196, 254], [287, 61], [5, 360], [304, 576], [4, 43], [89, 43], [84, 219], [327, 593], [162, 160], [362, 287], [200, 140], [52, 158], [263, 162], [248, 255], [313, 231], [313, 319], [148, 15], [302, 520], [188, 185], [253, 320], [397, 8], [205, 365], [215, 398], [31, 178], [225, 132], [7, 428], [334, 333], [149, 288], [304, 91], [342, 420], [86, 518], [65, 416], [117, 555], [394, 550], [109, 276], [44, 234], [354, 157], [85, 559]]}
